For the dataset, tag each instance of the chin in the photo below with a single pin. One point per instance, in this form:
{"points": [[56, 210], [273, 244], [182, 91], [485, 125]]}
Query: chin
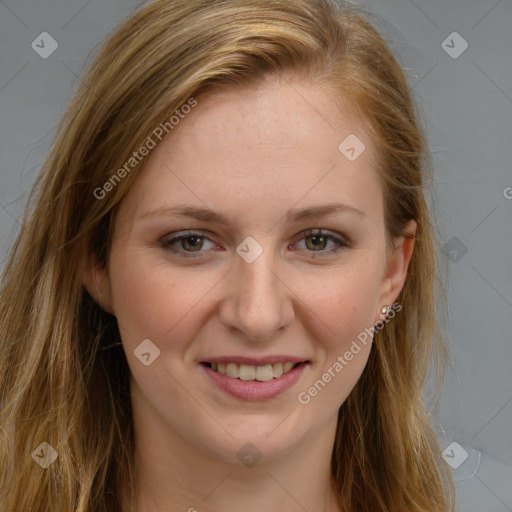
{"points": [[256, 436]]}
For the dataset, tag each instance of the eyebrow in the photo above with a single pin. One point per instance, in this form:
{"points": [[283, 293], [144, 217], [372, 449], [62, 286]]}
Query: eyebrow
{"points": [[207, 215]]}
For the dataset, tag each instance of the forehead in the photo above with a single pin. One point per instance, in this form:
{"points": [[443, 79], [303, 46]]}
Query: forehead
{"points": [[262, 148], [281, 112]]}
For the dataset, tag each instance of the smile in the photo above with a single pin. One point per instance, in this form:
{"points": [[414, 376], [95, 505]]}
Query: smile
{"points": [[254, 382], [247, 372]]}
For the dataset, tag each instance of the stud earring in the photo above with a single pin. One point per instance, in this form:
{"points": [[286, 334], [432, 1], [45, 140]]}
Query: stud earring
{"points": [[384, 311]]}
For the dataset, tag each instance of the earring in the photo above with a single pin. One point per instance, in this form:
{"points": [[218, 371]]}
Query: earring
{"points": [[384, 311]]}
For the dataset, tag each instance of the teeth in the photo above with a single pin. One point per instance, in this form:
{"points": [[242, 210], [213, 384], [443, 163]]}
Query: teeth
{"points": [[277, 369], [264, 373], [232, 370], [287, 367], [247, 372]]}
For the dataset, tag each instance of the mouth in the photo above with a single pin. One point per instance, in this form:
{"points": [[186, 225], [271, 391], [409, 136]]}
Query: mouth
{"points": [[253, 379], [261, 373]]}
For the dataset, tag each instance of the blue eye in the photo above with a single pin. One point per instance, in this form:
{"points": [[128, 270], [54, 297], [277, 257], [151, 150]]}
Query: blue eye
{"points": [[192, 242]]}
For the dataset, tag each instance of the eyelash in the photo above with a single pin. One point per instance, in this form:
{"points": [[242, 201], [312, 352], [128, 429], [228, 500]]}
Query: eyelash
{"points": [[343, 243]]}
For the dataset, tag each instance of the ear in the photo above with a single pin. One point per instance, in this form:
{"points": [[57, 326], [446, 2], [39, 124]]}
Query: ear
{"points": [[96, 280], [396, 268]]}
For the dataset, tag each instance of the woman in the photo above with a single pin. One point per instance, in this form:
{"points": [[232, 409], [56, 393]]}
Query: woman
{"points": [[223, 291]]}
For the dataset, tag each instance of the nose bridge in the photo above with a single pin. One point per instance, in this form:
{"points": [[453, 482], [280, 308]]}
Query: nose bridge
{"points": [[258, 303]]}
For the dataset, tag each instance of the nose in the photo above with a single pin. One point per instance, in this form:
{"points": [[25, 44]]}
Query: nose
{"points": [[257, 300]]}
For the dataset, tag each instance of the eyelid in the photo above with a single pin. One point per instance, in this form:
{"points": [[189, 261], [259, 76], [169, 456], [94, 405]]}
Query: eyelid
{"points": [[167, 241], [344, 242], [324, 232]]}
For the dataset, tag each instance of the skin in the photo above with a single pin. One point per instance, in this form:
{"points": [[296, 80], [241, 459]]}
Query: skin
{"points": [[253, 156]]}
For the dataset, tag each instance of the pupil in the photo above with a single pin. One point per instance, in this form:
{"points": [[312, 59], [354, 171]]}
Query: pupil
{"points": [[196, 238], [317, 238]]}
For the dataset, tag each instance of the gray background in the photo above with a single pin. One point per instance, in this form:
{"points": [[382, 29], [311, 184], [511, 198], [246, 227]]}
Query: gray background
{"points": [[467, 105]]}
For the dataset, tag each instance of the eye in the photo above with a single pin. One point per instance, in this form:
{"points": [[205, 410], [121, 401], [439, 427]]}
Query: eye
{"points": [[193, 242], [190, 243], [319, 240]]}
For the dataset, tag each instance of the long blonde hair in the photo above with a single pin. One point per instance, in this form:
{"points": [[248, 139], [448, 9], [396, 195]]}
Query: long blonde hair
{"points": [[64, 378]]}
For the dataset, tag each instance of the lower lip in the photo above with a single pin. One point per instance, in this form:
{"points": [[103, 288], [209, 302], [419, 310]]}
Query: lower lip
{"points": [[254, 389]]}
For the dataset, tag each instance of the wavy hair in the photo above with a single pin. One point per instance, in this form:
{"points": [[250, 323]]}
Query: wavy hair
{"points": [[64, 378]]}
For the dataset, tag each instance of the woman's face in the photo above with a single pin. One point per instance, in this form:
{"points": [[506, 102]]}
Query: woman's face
{"points": [[250, 286]]}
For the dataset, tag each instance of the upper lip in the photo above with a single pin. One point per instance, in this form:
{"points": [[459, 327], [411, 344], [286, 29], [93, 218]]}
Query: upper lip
{"points": [[255, 361]]}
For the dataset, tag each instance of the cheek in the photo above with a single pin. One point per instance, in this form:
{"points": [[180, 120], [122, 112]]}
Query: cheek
{"points": [[348, 308], [155, 301], [345, 300], [145, 300]]}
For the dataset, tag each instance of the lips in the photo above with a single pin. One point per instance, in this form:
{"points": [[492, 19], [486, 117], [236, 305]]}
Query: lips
{"points": [[251, 378]]}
